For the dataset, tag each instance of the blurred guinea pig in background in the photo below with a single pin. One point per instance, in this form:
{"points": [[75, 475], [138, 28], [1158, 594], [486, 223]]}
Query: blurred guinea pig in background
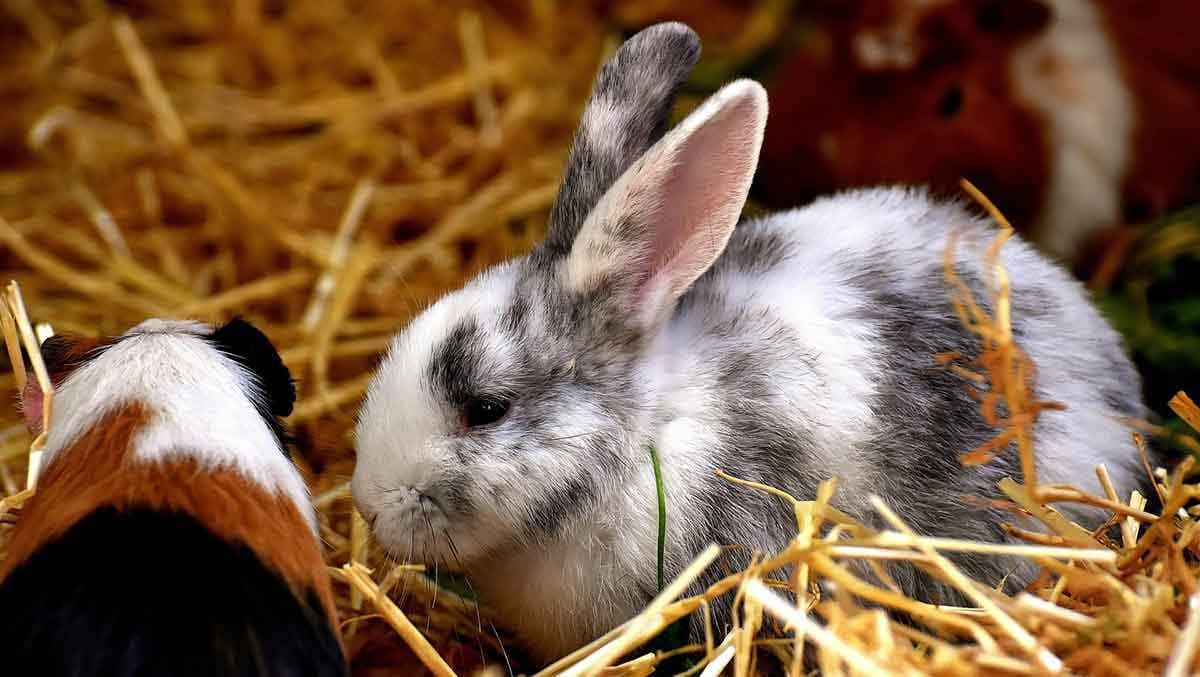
{"points": [[170, 533], [1073, 116]]}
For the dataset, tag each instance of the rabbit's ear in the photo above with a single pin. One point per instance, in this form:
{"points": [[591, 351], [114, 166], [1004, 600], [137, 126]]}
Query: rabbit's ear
{"points": [[669, 216], [626, 113]]}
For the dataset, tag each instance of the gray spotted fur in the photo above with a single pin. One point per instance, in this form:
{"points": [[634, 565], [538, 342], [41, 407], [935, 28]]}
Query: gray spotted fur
{"points": [[746, 372]]}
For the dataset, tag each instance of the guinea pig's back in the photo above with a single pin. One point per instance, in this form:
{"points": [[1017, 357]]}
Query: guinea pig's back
{"points": [[144, 591]]}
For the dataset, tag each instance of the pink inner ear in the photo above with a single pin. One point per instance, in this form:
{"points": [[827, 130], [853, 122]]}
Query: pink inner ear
{"points": [[670, 215], [31, 406], [61, 354], [703, 195]]}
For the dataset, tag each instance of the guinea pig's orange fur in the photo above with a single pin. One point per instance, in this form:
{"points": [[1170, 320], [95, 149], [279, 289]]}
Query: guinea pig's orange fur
{"points": [[99, 470], [1162, 67], [840, 119], [915, 91]]}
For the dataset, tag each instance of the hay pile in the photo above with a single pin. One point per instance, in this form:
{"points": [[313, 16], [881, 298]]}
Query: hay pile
{"points": [[327, 168]]}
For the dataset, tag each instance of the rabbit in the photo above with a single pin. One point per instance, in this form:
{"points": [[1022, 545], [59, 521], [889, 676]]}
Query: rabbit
{"points": [[170, 533], [507, 430]]}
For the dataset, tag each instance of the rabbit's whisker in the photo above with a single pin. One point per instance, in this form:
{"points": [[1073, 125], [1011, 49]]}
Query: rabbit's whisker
{"points": [[412, 535], [474, 596], [436, 579]]}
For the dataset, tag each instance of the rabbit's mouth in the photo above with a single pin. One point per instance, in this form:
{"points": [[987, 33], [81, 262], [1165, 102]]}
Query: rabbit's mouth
{"points": [[407, 522], [416, 526]]}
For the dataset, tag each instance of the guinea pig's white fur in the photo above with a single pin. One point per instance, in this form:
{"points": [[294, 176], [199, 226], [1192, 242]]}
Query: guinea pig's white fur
{"points": [[1071, 76], [193, 392], [803, 351]]}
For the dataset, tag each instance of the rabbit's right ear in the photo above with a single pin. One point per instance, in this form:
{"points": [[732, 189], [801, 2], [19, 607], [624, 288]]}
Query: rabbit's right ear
{"points": [[665, 221], [626, 113]]}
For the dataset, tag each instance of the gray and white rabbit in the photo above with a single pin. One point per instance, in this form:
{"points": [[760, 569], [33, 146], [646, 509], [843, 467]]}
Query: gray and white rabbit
{"points": [[508, 428]]}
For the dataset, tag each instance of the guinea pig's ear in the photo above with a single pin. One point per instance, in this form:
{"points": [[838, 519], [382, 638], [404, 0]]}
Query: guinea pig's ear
{"points": [[61, 354], [626, 113], [1015, 18], [668, 218], [249, 347]]}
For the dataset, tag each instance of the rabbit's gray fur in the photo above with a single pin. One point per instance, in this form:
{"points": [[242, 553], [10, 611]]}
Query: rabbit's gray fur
{"points": [[806, 351]]}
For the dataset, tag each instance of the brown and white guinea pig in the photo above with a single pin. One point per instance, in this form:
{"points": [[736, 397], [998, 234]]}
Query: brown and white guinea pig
{"points": [[170, 533], [1073, 115]]}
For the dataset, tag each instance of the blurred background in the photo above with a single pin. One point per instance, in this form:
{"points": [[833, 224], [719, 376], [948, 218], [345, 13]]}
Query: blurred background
{"points": [[326, 168]]}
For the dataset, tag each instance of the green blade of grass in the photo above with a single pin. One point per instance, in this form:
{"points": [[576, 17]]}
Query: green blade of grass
{"points": [[675, 635], [662, 513]]}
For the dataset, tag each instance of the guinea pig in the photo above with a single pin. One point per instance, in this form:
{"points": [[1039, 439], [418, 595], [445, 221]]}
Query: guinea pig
{"points": [[508, 429], [170, 533], [1074, 116]]}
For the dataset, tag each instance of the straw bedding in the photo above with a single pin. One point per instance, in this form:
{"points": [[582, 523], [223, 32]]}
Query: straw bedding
{"points": [[326, 169]]}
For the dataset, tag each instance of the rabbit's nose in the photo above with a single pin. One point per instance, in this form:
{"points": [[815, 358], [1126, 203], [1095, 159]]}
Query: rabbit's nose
{"points": [[407, 498]]}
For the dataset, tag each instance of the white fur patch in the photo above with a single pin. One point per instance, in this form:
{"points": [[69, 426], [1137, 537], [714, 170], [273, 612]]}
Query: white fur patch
{"points": [[198, 404], [1071, 76], [603, 121]]}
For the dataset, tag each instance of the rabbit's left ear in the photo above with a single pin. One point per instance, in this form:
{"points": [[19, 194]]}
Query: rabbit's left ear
{"points": [[669, 216]]}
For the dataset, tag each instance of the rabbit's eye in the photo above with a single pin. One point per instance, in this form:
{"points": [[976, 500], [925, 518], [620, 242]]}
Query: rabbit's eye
{"points": [[484, 410]]}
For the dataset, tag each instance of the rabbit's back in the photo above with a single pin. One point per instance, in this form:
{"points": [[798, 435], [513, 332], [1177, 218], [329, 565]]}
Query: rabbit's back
{"points": [[813, 343]]}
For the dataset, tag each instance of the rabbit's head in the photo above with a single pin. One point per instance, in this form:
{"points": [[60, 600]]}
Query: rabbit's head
{"points": [[521, 401]]}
